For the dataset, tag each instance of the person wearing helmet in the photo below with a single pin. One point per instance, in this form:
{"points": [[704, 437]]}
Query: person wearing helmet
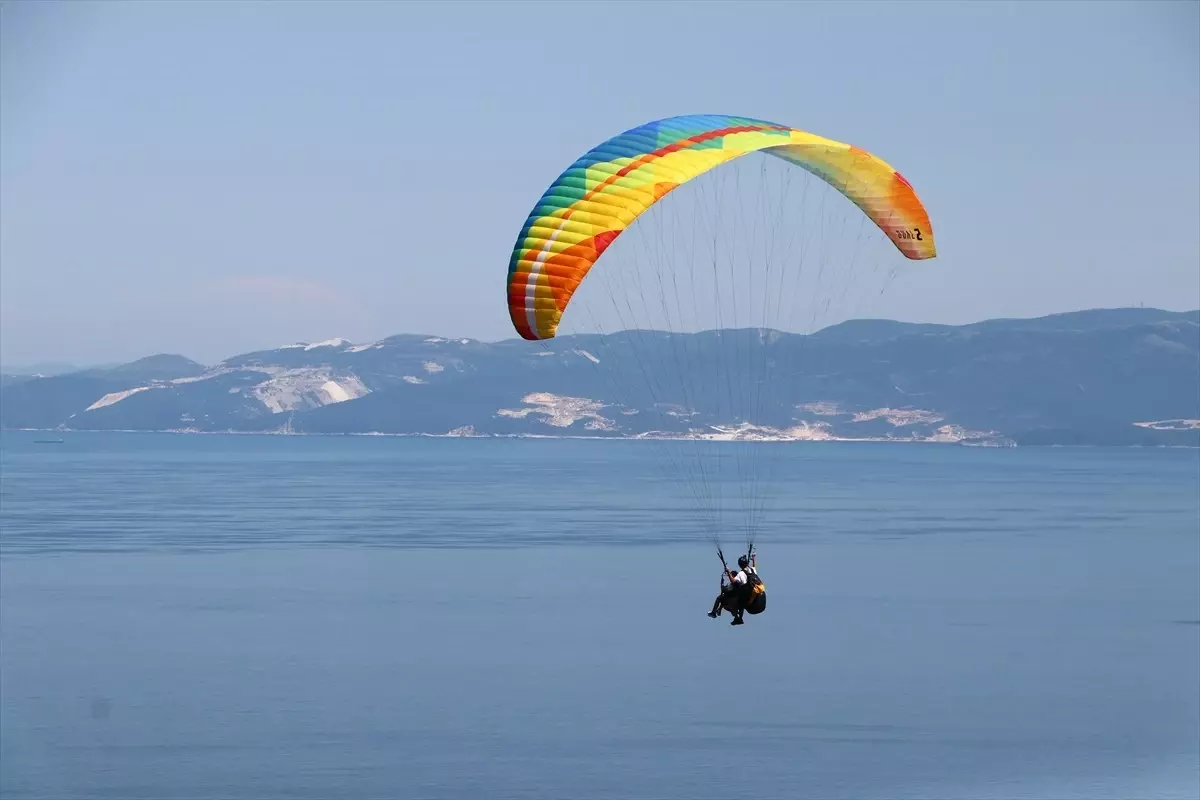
{"points": [[739, 581]]}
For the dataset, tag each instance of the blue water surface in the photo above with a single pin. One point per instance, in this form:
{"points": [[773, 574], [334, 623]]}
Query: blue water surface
{"points": [[361, 617]]}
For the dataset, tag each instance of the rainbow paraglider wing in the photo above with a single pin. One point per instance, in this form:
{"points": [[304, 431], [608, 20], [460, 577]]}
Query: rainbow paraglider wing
{"points": [[606, 189]]}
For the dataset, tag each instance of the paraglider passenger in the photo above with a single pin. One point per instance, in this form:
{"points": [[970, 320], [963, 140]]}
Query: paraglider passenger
{"points": [[735, 593]]}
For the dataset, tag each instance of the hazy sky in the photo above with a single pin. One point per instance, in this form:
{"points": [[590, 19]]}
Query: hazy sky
{"points": [[210, 178]]}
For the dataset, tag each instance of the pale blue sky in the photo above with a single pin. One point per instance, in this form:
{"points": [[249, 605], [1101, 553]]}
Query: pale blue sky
{"points": [[212, 178]]}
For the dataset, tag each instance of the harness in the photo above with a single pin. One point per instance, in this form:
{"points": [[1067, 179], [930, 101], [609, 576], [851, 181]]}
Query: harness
{"points": [[754, 584]]}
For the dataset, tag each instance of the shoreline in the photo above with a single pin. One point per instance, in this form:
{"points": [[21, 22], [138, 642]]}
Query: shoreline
{"points": [[1003, 443], [637, 438]]}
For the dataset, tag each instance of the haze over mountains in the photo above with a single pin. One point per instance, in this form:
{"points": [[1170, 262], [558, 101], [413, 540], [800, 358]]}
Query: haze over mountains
{"points": [[1115, 377]]}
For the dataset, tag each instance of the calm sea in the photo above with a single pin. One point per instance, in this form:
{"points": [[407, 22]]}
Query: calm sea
{"points": [[296, 617]]}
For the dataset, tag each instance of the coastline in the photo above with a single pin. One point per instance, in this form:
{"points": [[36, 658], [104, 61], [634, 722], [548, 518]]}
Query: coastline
{"points": [[998, 443], [458, 435]]}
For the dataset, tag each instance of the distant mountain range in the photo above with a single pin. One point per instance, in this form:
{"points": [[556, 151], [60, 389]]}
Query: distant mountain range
{"points": [[45, 368], [1101, 377]]}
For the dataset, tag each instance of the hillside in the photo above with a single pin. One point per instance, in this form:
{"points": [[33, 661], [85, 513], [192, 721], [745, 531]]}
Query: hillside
{"points": [[1119, 377]]}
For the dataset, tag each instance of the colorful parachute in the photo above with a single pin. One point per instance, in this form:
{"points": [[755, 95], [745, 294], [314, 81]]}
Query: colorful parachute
{"points": [[606, 189]]}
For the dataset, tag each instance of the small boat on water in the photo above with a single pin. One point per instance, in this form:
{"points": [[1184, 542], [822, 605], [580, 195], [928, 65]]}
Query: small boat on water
{"points": [[47, 441]]}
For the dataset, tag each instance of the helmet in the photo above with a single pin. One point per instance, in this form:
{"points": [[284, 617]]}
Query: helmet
{"points": [[743, 562]]}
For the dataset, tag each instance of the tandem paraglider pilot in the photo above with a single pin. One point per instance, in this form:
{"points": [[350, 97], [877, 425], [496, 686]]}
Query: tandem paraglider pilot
{"points": [[745, 592]]}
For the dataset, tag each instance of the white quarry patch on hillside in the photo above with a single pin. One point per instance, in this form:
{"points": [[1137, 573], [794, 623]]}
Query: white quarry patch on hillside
{"points": [[896, 416], [899, 417], [337, 392], [434, 340], [588, 356], [560, 411], [303, 389], [327, 343], [1171, 425], [358, 348], [413, 379], [432, 366], [113, 398]]}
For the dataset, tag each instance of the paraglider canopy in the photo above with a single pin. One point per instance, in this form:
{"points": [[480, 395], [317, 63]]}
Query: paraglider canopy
{"points": [[607, 188]]}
